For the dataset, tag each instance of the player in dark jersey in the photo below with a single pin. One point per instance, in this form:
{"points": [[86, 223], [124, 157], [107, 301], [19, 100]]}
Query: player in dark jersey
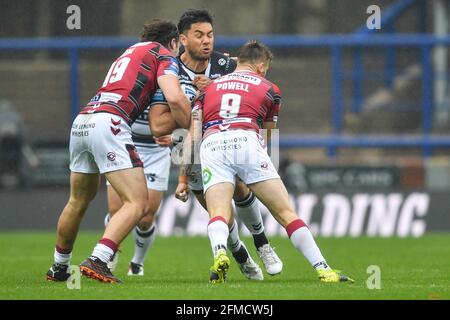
{"points": [[198, 65], [101, 143], [230, 113]]}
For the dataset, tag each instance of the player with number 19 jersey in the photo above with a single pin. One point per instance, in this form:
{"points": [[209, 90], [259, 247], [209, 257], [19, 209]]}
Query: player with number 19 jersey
{"points": [[101, 138], [131, 81]]}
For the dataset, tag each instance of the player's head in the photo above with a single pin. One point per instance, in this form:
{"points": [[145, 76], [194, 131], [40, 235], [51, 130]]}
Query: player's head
{"points": [[196, 33], [255, 55], [162, 31]]}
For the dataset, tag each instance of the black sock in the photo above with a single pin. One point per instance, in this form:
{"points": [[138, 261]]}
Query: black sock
{"points": [[260, 240], [241, 255]]}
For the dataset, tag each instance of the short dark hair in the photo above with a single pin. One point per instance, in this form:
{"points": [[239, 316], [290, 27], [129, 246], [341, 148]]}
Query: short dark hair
{"points": [[253, 52], [192, 16], [161, 31]]}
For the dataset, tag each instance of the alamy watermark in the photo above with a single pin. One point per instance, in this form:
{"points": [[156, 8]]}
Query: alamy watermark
{"points": [[374, 280], [74, 281], [73, 22], [374, 20]]}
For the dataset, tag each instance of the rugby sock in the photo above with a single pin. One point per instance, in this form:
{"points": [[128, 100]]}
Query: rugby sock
{"points": [[234, 243], [62, 256], [249, 212], [303, 241], [218, 234], [239, 252], [143, 240], [105, 249]]}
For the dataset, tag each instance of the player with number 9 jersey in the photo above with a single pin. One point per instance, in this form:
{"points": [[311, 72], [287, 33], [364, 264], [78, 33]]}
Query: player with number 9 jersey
{"points": [[234, 108], [240, 100]]}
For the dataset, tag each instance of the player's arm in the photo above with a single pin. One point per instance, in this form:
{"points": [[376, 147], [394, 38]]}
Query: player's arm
{"points": [[180, 107], [161, 120], [190, 152], [182, 190], [167, 77]]}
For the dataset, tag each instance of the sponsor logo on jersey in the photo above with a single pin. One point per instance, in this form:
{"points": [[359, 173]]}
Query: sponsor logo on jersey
{"points": [[106, 96], [264, 165], [206, 175], [226, 122], [241, 77], [111, 156]]}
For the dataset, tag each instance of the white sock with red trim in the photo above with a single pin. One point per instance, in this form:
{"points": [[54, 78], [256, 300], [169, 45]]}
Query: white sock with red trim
{"points": [[218, 234], [303, 241], [105, 249], [62, 256]]}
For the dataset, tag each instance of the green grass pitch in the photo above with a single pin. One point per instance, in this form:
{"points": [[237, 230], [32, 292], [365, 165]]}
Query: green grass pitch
{"points": [[178, 268]]}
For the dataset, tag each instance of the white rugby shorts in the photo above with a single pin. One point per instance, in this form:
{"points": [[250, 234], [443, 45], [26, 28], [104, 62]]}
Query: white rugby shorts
{"points": [[101, 143], [156, 167], [225, 155]]}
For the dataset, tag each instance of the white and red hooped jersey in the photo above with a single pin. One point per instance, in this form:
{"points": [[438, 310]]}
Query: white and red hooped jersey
{"points": [[132, 81], [239, 100]]}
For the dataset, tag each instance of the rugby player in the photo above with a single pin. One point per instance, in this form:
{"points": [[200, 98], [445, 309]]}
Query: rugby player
{"points": [[101, 143], [198, 65], [230, 113]]}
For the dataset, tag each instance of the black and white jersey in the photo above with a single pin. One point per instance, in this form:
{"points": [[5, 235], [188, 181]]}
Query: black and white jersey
{"points": [[219, 65], [140, 129]]}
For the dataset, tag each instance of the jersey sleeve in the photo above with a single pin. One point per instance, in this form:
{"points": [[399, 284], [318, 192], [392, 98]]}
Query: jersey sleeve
{"points": [[167, 65], [275, 104], [158, 98]]}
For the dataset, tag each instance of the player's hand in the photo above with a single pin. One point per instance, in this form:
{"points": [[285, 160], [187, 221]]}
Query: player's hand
{"points": [[201, 82], [164, 141], [182, 192]]}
